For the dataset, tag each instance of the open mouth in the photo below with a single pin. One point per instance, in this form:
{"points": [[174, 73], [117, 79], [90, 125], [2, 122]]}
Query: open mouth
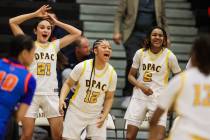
{"points": [[44, 36], [157, 42], [107, 55]]}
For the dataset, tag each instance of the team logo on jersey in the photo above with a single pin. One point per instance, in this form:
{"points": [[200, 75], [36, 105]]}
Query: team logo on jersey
{"points": [[151, 67], [96, 84], [46, 56]]}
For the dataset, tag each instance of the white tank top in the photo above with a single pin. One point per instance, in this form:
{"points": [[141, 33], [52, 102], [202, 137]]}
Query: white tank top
{"points": [[154, 71], [44, 67], [103, 81]]}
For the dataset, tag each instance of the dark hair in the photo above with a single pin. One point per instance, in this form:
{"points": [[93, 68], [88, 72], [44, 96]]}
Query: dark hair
{"points": [[38, 20], [201, 53], [95, 44], [20, 43], [62, 61], [147, 41]]}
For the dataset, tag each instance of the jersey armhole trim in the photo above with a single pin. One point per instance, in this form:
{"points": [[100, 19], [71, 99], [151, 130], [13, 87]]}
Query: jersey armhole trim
{"points": [[26, 82]]}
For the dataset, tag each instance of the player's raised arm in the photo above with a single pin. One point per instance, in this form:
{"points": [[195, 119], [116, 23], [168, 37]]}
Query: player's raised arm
{"points": [[16, 21]]}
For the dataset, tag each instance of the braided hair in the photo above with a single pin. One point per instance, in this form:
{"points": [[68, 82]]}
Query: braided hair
{"points": [[95, 45]]}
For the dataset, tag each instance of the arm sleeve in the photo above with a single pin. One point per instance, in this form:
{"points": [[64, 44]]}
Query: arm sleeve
{"points": [[169, 95], [77, 71], [27, 98], [113, 81], [137, 59], [120, 13], [163, 18], [173, 64]]}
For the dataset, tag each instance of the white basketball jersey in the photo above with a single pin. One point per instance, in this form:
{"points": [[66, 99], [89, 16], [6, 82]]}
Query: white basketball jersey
{"points": [[89, 96], [44, 68], [189, 92], [154, 70]]}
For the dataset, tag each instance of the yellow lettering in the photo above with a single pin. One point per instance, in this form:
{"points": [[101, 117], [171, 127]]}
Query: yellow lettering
{"points": [[203, 100]]}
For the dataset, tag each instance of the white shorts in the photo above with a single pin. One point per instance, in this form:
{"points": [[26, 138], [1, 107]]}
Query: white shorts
{"points": [[141, 110], [48, 103], [76, 121]]}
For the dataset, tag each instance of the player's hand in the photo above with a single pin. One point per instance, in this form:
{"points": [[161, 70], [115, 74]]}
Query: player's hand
{"points": [[62, 106], [100, 120], [42, 12], [53, 19], [117, 37], [146, 90]]}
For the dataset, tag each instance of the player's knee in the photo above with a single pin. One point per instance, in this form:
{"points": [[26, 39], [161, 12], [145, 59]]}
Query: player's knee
{"points": [[57, 135], [130, 137], [26, 136]]}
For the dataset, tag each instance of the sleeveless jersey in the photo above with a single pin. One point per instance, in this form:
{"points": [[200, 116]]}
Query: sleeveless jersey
{"points": [[90, 95], [16, 85], [189, 92], [44, 68], [154, 70]]}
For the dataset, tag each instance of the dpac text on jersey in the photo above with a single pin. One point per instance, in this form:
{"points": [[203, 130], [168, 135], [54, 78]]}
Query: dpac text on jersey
{"points": [[42, 55]]}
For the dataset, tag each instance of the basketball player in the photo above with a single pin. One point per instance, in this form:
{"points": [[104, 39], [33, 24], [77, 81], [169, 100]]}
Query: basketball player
{"points": [[96, 83], [17, 85], [153, 63], [44, 69], [189, 92]]}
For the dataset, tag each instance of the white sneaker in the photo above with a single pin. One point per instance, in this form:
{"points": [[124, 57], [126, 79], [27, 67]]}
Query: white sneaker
{"points": [[126, 102]]}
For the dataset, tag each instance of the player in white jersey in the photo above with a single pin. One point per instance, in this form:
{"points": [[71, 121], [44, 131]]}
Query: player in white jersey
{"points": [[189, 94], [153, 63], [96, 83], [44, 69], [189, 64]]}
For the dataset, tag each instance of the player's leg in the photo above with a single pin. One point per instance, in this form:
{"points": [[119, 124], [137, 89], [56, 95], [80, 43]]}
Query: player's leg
{"points": [[161, 126], [94, 132], [50, 106], [28, 122], [27, 128], [56, 127], [74, 124], [134, 116]]}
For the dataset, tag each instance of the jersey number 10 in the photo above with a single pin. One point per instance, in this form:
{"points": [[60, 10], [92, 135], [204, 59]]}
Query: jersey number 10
{"points": [[7, 81]]}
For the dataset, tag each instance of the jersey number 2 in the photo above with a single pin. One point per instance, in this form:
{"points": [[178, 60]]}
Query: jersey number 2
{"points": [[8, 81]]}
